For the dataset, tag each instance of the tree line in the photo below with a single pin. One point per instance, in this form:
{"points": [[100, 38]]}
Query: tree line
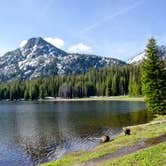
{"points": [[147, 79], [107, 81]]}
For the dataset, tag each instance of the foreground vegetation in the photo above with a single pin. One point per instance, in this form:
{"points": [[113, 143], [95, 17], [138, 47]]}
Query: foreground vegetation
{"points": [[148, 156], [152, 156]]}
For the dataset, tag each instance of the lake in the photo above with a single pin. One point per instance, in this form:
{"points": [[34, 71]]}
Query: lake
{"points": [[36, 132]]}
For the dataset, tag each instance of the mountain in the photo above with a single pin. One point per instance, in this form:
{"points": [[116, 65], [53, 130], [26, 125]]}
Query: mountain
{"points": [[139, 58], [38, 58]]}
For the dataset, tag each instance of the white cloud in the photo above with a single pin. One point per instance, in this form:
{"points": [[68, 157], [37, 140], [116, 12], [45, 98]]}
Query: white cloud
{"points": [[57, 42], [22, 43], [80, 47]]}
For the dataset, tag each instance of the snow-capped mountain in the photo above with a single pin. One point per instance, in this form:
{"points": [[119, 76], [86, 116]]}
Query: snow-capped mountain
{"points": [[140, 57], [38, 58], [137, 59]]}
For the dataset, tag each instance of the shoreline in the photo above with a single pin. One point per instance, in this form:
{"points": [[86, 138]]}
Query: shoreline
{"points": [[141, 133], [103, 98], [93, 98]]}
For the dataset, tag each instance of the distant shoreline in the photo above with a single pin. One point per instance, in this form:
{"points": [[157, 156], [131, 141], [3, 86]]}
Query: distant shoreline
{"points": [[93, 98], [112, 98]]}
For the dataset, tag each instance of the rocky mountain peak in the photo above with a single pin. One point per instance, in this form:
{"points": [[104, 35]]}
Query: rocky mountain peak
{"points": [[38, 46], [38, 58], [34, 41]]}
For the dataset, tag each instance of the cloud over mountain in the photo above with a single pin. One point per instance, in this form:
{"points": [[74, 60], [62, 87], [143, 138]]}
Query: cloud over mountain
{"points": [[38, 58], [80, 47], [57, 42]]}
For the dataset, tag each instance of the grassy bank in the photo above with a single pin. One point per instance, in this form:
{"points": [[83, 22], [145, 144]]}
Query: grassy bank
{"points": [[153, 155], [101, 98]]}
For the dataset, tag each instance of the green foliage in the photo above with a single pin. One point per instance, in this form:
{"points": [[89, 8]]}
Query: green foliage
{"points": [[108, 86], [152, 156], [89, 89], [153, 78], [42, 93], [34, 91], [107, 81], [135, 82]]}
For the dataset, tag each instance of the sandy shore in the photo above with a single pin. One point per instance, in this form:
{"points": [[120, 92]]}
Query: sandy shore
{"points": [[112, 98]]}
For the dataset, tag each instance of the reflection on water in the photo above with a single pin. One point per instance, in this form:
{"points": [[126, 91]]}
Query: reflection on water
{"points": [[34, 132]]}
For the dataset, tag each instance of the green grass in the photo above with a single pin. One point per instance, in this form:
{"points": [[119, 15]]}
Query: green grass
{"points": [[152, 156], [138, 133]]}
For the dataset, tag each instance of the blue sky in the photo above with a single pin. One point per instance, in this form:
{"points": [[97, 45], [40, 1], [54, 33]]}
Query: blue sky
{"points": [[112, 28]]}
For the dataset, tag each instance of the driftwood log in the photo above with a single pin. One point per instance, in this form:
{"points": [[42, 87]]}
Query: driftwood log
{"points": [[104, 138]]}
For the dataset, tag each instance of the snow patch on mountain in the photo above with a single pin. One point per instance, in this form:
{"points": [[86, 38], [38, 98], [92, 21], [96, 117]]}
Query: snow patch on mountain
{"points": [[23, 43], [140, 57], [38, 58], [137, 58]]}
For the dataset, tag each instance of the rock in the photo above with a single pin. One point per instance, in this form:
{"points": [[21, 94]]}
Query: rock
{"points": [[104, 138], [126, 130]]}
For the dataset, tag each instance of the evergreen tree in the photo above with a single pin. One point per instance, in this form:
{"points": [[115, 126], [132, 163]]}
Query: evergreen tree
{"points": [[115, 90], [121, 86], [42, 93], [34, 91], [152, 78], [108, 87], [134, 81], [89, 89], [105, 81], [26, 95]]}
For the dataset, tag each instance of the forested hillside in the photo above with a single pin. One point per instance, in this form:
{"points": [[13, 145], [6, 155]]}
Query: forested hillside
{"points": [[113, 81]]}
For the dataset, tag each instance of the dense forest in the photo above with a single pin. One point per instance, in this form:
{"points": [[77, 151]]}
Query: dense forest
{"points": [[107, 81]]}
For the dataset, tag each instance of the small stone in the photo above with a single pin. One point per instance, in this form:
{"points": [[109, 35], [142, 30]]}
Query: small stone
{"points": [[126, 131], [104, 138]]}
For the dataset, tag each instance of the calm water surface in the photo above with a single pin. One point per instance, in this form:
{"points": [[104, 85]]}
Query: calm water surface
{"points": [[36, 132]]}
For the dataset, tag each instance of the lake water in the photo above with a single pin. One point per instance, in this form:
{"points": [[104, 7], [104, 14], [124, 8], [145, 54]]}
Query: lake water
{"points": [[36, 132]]}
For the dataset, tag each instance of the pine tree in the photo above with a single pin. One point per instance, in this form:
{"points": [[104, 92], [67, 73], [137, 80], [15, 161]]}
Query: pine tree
{"points": [[108, 86], [152, 78], [42, 93], [134, 81], [115, 90], [26, 94]]}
